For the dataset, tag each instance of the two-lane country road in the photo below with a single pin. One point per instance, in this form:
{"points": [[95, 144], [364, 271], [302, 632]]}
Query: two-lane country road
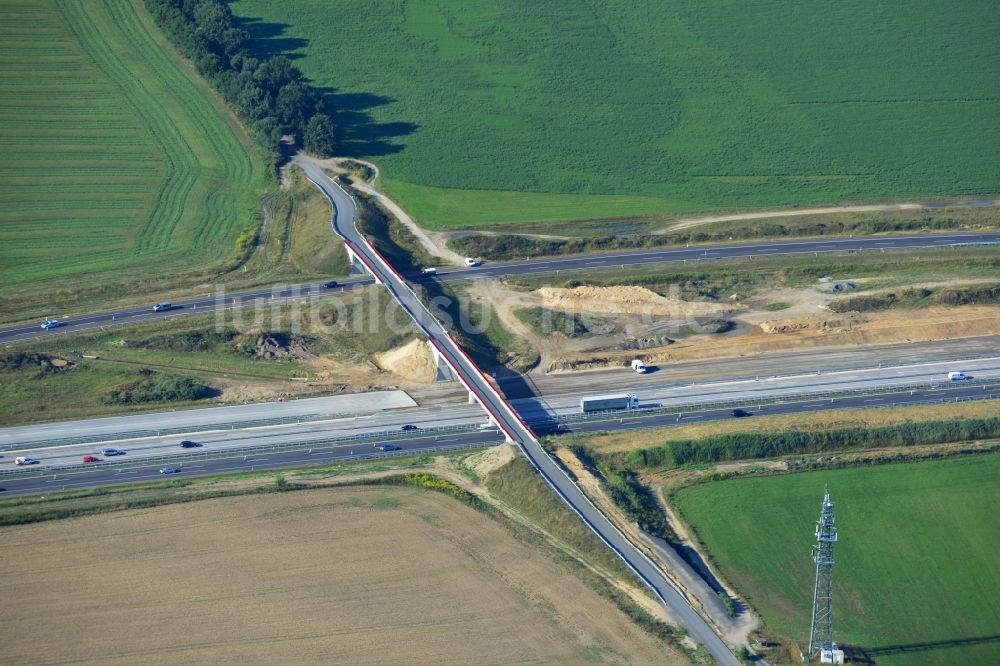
{"points": [[224, 301]]}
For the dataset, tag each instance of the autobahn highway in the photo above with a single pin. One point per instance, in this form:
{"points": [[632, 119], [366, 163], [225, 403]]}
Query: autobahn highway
{"points": [[230, 451], [220, 430], [211, 303]]}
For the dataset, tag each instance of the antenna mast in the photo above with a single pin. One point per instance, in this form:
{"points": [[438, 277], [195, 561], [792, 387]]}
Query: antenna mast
{"points": [[821, 634]]}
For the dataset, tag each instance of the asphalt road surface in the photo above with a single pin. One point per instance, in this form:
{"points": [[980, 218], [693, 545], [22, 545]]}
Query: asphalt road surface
{"points": [[225, 301], [219, 430], [232, 449]]}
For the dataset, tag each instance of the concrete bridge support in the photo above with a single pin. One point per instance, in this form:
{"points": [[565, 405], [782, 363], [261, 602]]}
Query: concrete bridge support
{"points": [[361, 264]]}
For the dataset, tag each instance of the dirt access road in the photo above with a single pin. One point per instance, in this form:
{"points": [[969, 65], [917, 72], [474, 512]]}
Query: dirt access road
{"points": [[829, 210]]}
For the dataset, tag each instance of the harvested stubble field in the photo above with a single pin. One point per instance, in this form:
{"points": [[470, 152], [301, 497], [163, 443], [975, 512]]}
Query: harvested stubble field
{"points": [[120, 165], [482, 113], [347, 575]]}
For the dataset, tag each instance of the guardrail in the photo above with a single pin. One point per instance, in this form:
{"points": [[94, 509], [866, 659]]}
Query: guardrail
{"points": [[34, 471], [138, 434], [180, 430], [882, 365], [987, 385]]}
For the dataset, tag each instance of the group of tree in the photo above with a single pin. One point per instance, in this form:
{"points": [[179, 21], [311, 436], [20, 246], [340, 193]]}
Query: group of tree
{"points": [[270, 95]]}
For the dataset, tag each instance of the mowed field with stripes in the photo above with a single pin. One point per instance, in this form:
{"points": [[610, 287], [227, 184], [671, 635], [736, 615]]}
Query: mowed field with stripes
{"points": [[119, 164]]}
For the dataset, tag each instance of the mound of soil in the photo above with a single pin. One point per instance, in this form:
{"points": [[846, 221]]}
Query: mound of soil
{"points": [[35, 360], [275, 345], [845, 322], [412, 361], [625, 300]]}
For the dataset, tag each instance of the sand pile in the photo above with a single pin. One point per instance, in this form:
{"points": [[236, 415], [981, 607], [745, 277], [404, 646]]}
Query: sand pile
{"points": [[625, 300], [839, 324], [412, 361]]}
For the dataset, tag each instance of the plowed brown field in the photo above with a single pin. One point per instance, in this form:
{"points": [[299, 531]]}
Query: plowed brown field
{"points": [[348, 575]]}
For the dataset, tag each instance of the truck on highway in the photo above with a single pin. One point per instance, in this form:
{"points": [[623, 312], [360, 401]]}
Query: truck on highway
{"points": [[639, 366], [603, 403]]}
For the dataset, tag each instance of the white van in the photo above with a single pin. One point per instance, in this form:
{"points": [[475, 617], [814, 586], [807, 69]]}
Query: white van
{"points": [[429, 271], [639, 366], [957, 376], [471, 263], [165, 305]]}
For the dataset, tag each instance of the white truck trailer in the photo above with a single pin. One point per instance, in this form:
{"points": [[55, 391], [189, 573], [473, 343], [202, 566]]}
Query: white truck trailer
{"points": [[603, 403]]}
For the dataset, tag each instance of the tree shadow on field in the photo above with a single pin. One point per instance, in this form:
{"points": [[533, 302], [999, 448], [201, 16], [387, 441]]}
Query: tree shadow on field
{"points": [[358, 133], [267, 39]]}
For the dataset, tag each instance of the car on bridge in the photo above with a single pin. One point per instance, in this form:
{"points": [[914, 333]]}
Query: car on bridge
{"points": [[51, 323]]}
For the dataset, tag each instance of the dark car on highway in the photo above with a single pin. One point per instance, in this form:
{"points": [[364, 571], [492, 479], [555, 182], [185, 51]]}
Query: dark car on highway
{"points": [[740, 413], [388, 447], [113, 452], [409, 426], [329, 284], [188, 444]]}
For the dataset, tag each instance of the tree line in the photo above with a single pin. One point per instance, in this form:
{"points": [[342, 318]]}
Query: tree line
{"points": [[270, 95], [741, 446]]}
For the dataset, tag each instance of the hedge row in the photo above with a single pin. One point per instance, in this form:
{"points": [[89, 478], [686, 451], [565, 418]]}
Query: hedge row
{"points": [[740, 446], [270, 95]]}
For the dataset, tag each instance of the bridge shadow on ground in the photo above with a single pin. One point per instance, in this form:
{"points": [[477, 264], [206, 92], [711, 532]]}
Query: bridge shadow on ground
{"points": [[359, 134]]}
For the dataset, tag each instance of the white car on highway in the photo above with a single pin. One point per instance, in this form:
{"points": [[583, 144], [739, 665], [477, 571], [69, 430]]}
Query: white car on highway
{"points": [[51, 323], [25, 460], [471, 263]]}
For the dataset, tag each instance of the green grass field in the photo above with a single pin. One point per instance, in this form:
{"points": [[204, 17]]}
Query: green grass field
{"points": [[916, 562], [663, 107], [119, 162]]}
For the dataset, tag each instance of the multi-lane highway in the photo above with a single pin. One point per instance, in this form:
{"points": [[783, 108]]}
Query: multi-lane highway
{"points": [[663, 403], [290, 445], [224, 301]]}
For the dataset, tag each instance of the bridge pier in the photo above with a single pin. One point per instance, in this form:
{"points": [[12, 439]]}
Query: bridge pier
{"points": [[358, 262], [443, 371]]}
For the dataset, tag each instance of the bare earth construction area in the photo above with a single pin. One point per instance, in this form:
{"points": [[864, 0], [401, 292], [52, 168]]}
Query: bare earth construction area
{"points": [[346, 575]]}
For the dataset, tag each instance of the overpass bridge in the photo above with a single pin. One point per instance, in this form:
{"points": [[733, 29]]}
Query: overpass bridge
{"points": [[503, 414]]}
